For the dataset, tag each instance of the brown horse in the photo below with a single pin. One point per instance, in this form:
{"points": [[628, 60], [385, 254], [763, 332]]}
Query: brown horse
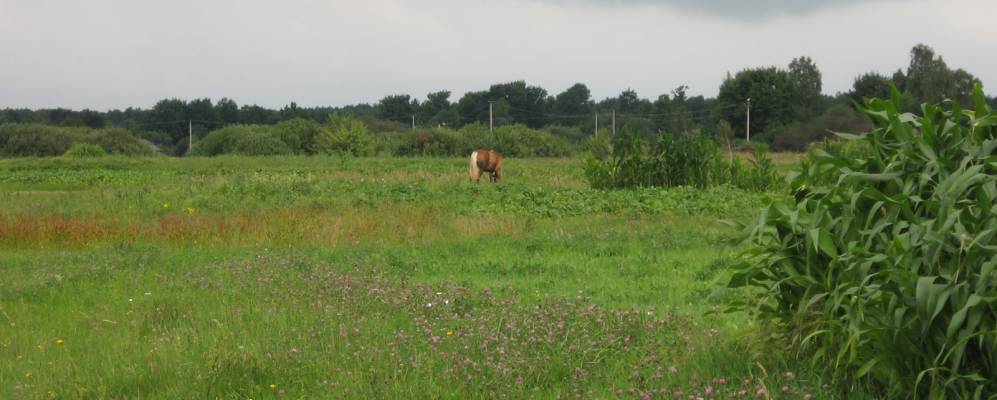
{"points": [[486, 161]]}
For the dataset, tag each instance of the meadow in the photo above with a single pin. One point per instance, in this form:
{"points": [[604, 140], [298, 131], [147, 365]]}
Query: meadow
{"points": [[327, 277]]}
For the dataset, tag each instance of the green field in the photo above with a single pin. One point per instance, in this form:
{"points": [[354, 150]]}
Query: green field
{"points": [[296, 277]]}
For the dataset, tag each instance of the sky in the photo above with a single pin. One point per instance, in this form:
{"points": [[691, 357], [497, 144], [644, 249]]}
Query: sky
{"points": [[104, 54]]}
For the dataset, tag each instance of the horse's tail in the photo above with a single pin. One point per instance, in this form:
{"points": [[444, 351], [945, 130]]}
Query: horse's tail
{"points": [[475, 172]]}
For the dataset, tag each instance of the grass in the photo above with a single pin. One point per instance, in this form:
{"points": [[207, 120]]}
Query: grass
{"points": [[293, 277]]}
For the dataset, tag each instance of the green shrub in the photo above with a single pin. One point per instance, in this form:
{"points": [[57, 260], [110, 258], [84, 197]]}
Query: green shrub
{"points": [[883, 264], [260, 143], [475, 136], [344, 135], [520, 141], [572, 134], [26, 140], [83, 150], [227, 140], [599, 147], [37, 140], [298, 134], [691, 160], [118, 141]]}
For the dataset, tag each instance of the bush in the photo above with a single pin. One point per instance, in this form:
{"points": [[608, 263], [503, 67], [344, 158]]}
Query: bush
{"points": [[344, 135], [240, 139], [82, 150], [118, 141], [298, 134], [882, 264], [599, 147], [37, 140], [520, 141], [572, 134], [691, 160], [261, 143]]}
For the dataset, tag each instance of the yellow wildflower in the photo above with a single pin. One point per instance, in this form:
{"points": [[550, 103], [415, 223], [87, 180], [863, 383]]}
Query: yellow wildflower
{"points": [[449, 333], [273, 386], [166, 205], [190, 210], [58, 341]]}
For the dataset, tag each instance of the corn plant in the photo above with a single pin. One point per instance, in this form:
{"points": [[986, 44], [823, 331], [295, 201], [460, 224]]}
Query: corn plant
{"points": [[882, 265]]}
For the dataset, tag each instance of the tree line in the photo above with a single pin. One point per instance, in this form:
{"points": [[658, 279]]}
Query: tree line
{"points": [[788, 108]]}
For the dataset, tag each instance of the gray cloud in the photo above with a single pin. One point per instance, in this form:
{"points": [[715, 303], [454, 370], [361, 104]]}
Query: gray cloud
{"points": [[745, 10], [118, 53]]}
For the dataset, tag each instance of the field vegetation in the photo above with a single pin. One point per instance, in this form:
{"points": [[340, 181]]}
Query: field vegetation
{"points": [[268, 277]]}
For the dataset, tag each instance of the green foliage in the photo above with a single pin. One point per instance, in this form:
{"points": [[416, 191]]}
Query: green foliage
{"points": [[599, 147], [869, 85], [26, 140], [510, 140], [37, 140], [773, 98], [82, 150], [298, 134], [521, 141], [261, 143], [798, 136], [227, 140], [344, 135], [691, 160], [882, 265], [119, 141]]}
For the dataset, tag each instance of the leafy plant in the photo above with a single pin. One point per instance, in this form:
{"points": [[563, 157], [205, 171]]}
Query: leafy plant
{"points": [[691, 160], [344, 135], [83, 150], [883, 263]]}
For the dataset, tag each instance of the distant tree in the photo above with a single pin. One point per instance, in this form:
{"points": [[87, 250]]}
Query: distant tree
{"points": [[771, 92], [446, 118], [256, 115], [927, 76], [473, 107], [58, 116], [170, 117], [962, 86], [397, 108], [702, 110], [575, 100], [201, 116], [435, 103], [628, 102], [291, 111], [870, 85], [806, 78], [227, 111], [525, 104], [92, 119]]}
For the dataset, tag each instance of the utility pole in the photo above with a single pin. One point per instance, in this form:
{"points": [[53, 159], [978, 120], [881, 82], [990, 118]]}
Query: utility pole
{"points": [[747, 126], [413, 122], [490, 120], [596, 124], [614, 122], [190, 135]]}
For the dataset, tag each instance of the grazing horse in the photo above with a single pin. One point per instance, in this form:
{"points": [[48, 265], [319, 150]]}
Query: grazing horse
{"points": [[486, 161]]}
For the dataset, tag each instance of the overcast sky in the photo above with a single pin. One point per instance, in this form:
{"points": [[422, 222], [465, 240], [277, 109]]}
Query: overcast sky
{"points": [[102, 54]]}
